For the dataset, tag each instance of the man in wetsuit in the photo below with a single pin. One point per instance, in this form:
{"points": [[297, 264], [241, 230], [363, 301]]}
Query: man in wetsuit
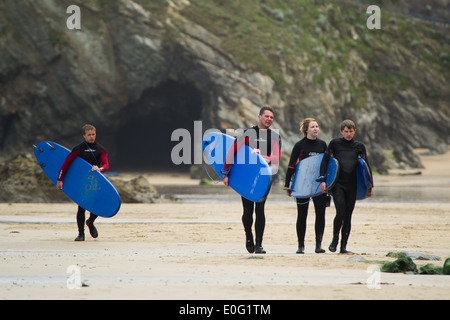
{"points": [[346, 150], [95, 154], [266, 142]]}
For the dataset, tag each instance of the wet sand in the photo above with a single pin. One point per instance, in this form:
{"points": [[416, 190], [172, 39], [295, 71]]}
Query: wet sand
{"points": [[196, 250]]}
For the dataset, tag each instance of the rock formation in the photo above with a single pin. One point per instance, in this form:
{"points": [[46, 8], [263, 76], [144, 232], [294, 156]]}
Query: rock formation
{"points": [[140, 69], [22, 180]]}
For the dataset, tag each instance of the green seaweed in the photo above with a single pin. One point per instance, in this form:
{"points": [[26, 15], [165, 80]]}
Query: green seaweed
{"points": [[402, 264]]}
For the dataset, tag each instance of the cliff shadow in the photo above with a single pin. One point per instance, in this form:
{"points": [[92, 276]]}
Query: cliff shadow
{"points": [[141, 140]]}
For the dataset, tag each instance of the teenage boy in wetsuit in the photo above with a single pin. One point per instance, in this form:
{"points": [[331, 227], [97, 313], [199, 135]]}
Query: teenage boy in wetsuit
{"points": [[346, 150], [267, 143], [310, 145], [95, 154]]}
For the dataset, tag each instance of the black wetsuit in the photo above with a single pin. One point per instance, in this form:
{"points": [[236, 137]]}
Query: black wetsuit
{"points": [[303, 149], [344, 191], [269, 143]]}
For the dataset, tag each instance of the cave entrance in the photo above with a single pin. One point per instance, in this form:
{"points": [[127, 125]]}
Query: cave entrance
{"points": [[142, 141]]}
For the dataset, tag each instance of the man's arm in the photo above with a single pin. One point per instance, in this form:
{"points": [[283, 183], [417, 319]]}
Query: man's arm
{"points": [[230, 156], [104, 161], [323, 166], [363, 155], [65, 166]]}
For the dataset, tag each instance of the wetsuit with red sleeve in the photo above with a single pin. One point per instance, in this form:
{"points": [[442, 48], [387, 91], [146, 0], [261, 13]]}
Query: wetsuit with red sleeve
{"points": [[269, 143], [302, 150], [95, 154]]}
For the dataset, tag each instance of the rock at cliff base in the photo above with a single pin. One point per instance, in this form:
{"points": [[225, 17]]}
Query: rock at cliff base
{"points": [[23, 181]]}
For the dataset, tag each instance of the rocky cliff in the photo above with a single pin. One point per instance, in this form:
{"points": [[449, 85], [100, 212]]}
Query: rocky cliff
{"points": [[140, 69]]}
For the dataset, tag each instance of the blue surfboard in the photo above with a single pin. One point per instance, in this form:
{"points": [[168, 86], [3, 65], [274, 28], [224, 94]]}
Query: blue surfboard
{"points": [[89, 189], [250, 175], [304, 184], [363, 180]]}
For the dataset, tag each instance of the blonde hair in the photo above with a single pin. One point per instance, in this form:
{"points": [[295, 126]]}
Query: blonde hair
{"points": [[304, 125], [87, 127]]}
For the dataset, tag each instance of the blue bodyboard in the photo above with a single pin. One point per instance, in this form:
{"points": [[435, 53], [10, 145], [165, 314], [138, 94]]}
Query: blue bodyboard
{"points": [[363, 180], [89, 189], [250, 175], [304, 184]]}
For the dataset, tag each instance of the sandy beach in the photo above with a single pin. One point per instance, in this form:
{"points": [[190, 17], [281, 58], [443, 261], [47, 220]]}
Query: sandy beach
{"points": [[185, 250]]}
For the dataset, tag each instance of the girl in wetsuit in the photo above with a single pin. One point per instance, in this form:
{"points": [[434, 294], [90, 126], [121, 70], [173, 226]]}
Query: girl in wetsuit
{"points": [[308, 146], [346, 150]]}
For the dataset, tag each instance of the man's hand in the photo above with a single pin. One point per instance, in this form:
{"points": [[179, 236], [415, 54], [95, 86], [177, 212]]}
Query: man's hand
{"points": [[59, 185], [323, 186], [288, 192], [225, 180]]}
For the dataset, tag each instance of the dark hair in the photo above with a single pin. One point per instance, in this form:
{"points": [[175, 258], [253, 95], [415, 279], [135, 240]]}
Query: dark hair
{"points": [[348, 123], [265, 108]]}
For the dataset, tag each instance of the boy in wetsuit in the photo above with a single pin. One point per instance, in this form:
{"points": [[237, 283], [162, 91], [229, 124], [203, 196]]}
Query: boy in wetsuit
{"points": [[266, 142], [95, 154], [346, 150]]}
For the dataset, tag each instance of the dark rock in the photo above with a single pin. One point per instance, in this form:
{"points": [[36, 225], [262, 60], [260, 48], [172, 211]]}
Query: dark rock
{"points": [[22, 180], [136, 190], [139, 72]]}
